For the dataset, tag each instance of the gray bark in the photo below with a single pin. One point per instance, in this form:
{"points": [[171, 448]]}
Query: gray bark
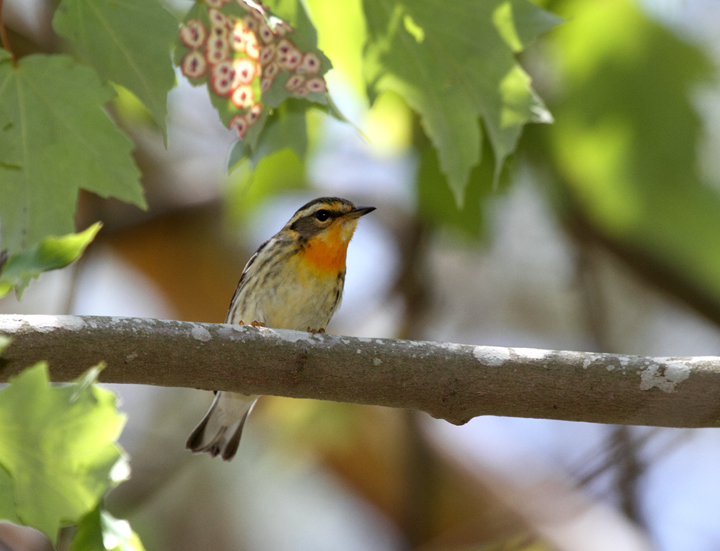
{"points": [[455, 382]]}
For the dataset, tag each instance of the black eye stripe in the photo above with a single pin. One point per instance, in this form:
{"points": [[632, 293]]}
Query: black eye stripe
{"points": [[308, 223], [325, 213]]}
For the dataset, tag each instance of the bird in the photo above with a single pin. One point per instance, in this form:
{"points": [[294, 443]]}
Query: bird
{"points": [[294, 281]]}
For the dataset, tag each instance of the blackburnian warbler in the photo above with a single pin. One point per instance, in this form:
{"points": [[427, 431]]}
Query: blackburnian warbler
{"points": [[294, 281]]}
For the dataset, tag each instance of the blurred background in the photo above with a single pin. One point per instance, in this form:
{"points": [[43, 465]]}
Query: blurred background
{"points": [[603, 235]]}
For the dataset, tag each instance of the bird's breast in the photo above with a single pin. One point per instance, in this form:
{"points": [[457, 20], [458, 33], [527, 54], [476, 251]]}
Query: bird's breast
{"points": [[326, 253], [300, 295]]}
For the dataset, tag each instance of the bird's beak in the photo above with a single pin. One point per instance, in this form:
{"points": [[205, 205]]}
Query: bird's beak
{"points": [[357, 212]]}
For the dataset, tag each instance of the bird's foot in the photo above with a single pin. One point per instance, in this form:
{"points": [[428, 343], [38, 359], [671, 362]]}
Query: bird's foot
{"points": [[256, 323], [315, 331]]}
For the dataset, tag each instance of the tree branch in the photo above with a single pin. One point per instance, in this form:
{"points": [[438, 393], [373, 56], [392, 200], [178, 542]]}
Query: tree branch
{"points": [[455, 382]]}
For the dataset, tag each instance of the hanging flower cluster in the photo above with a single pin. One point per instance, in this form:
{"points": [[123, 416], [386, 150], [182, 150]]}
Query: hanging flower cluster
{"points": [[243, 52]]}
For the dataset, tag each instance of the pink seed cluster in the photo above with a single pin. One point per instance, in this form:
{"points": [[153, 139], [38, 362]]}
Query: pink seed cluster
{"points": [[233, 52], [303, 68]]}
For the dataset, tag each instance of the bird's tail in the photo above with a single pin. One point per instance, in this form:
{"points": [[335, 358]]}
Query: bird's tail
{"points": [[220, 430]]}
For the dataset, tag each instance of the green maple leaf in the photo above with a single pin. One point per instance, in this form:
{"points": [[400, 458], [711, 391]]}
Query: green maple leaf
{"points": [[128, 42], [100, 531], [436, 204], [287, 26], [50, 254], [57, 449], [285, 129], [54, 139], [7, 506], [453, 62]]}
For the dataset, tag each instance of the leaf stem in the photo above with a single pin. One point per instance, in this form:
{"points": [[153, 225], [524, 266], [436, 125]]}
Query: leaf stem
{"points": [[5, 39]]}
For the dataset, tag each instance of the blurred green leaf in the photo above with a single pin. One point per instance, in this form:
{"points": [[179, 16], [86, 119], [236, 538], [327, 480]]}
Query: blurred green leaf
{"points": [[626, 135], [52, 253], [54, 139], [4, 343], [454, 64], [117, 534], [127, 42], [341, 35], [436, 204], [285, 128], [89, 535], [294, 13], [278, 172], [7, 503], [100, 531], [58, 447]]}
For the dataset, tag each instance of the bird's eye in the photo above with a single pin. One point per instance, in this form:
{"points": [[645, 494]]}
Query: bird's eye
{"points": [[322, 215]]}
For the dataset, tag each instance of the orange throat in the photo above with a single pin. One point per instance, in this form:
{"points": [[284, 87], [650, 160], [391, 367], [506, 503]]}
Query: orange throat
{"points": [[327, 252]]}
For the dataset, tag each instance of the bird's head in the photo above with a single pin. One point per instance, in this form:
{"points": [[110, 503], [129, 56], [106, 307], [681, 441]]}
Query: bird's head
{"points": [[327, 216], [324, 228]]}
